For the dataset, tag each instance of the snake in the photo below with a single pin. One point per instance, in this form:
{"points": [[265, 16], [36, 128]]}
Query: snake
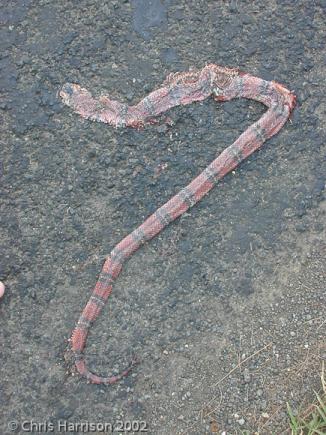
{"points": [[178, 89]]}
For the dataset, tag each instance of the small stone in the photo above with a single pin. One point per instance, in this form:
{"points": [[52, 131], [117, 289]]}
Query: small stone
{"points": [[33, 294], [246, 375], [241, 421]]}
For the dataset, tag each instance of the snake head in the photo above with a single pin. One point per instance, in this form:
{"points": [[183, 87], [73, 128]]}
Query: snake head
{"points": [[68, 91], [67, 88]]}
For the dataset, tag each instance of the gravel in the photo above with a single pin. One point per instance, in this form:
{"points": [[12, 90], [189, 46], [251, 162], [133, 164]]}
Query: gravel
{"points": [[226, 307]]}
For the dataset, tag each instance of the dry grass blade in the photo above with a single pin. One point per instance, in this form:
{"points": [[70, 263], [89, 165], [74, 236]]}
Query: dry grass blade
{"points": [[313, 420]]}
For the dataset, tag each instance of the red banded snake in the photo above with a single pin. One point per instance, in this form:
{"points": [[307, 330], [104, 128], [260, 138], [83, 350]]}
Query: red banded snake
{"points": [[178, 89]]}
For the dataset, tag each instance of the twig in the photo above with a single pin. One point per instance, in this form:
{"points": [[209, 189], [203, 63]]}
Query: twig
{"points": [[242, 362]]}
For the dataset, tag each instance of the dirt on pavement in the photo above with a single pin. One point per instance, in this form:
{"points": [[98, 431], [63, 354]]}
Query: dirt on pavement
{"points": [[226, 307]]}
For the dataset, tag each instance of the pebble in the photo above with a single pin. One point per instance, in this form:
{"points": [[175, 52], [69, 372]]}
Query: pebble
{"points": [[2, 289], [246, 375]]}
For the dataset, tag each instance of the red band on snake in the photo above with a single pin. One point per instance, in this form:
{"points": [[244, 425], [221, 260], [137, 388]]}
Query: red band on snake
{"points": [[178, 89]]}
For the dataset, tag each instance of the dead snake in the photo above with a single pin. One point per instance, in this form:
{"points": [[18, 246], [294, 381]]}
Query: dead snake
{"points": [[178, 89]]}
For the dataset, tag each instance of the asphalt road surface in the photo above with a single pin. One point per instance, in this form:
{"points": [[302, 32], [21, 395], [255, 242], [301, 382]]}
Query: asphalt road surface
{"points": [[225, 307]]}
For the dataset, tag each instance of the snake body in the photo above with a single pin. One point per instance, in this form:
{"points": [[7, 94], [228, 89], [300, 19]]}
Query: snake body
{"points": [[178, 89]]}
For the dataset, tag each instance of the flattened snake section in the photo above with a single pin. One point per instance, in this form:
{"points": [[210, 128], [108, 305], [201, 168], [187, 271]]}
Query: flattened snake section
{"points": [[178, 89]]}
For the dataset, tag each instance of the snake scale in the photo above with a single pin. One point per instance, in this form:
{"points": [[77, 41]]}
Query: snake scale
{"points": [[178, 89]]}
